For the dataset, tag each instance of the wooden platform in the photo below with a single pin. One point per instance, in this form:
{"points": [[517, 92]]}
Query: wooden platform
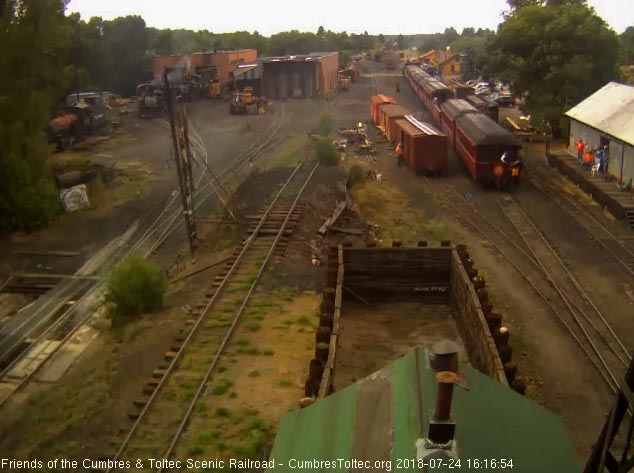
{"points": [[619, 203]]}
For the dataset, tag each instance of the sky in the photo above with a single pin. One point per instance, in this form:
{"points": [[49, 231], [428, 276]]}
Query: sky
{"points": [[272, 16]]}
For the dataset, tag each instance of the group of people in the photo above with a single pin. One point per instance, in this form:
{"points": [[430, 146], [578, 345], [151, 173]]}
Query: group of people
{"points": [[592, 159]]}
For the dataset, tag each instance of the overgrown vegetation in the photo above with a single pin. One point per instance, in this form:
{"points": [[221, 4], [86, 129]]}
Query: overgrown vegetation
{"points": [[327, 152], [135, 286], [356, 176]]}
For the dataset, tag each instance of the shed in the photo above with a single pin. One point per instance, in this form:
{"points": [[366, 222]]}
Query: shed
{"points": [[383, 421], [388, 114], [301, 76], [424, 146], [375, 102], [607, 118]]}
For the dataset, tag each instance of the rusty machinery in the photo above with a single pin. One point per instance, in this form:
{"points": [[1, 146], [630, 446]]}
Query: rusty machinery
{"points": [[76, 121], [241, 102], [150, 97]]}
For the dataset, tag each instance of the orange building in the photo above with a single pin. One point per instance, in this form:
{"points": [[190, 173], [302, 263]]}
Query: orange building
{"points": [[446, 61], [183, 64]]}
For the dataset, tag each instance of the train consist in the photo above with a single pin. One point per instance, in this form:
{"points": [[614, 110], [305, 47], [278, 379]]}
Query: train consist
{"points": [[490, 153]]}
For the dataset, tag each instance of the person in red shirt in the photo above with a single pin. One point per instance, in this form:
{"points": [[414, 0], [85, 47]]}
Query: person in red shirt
{"points": [[580, 149]]}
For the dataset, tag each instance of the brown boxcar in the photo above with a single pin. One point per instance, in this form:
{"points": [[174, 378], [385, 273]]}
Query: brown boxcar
{"points": [[375, 102], [424, 146], [460, 90], [451, 110], [388, 114]]}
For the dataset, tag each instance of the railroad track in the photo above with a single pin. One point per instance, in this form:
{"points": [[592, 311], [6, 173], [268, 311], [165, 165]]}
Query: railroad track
{"points": [[162, 417], [56, 317], [537, 261], [610, 242]]}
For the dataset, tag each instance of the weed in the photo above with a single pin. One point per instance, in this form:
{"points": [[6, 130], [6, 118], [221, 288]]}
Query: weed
{"points": [[249, 350], [169, 394], [221, 369], [221, 386], [222, 412], [233, 395], [135, 286], [287, 322], [259, 317], [303, 320], [268, 352], [195, 449], [243, 342], [356, 176], [253, 327], [222, 446], [284, 383], [254, 374], [208, 437], [200, 406]]}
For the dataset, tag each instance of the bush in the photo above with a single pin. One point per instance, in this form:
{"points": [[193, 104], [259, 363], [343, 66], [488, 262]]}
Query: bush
{"points": [[135, 286], [324, 126], [327, 153], [356, 176]]}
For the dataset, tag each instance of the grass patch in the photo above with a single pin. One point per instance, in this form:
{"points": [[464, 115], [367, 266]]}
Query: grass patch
{"points": [[208, 437], [356, 176], [254, 374], [222, 412], [303, 320], [289, 152], [268, 352], [249, 350], [253, 327], [243, 342], [200, 407], [284, 383], [222, 386], [195, 449], [221, 369]]}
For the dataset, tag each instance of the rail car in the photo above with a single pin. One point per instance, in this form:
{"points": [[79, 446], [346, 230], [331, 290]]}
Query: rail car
{"points": [[451, 110], [489, 152], [424, 147]]}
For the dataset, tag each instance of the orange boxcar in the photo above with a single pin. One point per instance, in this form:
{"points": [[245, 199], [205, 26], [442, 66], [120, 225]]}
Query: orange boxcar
{"points": [[388, 114], [375, 102], [424, 146]]}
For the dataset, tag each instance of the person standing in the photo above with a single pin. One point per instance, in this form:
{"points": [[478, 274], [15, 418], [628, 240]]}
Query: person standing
{"points": [[588, 159], [580, 149], [399, 154]]}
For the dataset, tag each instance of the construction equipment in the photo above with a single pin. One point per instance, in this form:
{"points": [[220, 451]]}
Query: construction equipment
{"points": [[242, 101], [76, 121], [214, 89], [150, 99]]}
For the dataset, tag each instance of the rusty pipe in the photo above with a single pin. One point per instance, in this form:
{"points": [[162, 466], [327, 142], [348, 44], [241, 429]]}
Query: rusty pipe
{"points": [[446, 381]]}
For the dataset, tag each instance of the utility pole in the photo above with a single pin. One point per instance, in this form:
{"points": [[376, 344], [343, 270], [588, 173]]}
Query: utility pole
{"points": [[182, 157]]}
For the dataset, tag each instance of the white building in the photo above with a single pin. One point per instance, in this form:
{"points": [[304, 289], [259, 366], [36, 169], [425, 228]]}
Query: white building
{"points": [[607, 118]]}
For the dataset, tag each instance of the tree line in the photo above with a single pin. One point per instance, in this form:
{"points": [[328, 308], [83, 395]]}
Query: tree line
{"points": [[552, 52]]}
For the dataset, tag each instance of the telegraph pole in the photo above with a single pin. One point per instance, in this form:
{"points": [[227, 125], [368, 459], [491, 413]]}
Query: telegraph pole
{"points": [[182, 157]]}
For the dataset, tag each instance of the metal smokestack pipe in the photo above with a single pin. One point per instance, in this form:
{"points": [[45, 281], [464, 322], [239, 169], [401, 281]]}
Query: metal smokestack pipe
{"points": [[446, 380]]}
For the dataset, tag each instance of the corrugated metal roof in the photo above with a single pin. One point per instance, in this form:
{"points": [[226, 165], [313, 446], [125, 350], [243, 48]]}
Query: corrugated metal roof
{"points": [[423, 127], [382, 416], [610, 110]]}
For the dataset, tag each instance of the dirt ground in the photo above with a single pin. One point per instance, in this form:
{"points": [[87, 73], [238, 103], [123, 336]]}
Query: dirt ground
{"points": [[374, 336]]}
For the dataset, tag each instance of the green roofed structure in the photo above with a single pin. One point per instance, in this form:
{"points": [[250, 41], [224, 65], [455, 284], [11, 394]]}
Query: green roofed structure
{"points": [[382, 423]]}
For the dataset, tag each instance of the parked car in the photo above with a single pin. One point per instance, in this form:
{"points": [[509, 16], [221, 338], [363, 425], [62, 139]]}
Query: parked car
{"points": [[504, 99]]}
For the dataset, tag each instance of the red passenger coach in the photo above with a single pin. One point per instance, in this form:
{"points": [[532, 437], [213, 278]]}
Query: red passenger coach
{"points": [[388, 114], [481, 144], [375, 102], [451, 110]]}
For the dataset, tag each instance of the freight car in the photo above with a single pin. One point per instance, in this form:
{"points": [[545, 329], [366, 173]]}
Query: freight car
{"points": [[388, 114], [424, 147], [485, 105], [488, 151], [375, 102]]}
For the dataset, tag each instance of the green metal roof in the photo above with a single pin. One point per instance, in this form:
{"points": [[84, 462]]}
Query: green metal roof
{"points": [[382, 416]]}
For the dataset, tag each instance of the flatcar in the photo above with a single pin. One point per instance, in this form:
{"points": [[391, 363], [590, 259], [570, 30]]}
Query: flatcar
{"points": [[451, 110], [489, 152], [424, 147]]}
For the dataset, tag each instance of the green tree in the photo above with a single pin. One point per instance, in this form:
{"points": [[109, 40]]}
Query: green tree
{"points": [[626, 41], [555, 56], [34, 41]]}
